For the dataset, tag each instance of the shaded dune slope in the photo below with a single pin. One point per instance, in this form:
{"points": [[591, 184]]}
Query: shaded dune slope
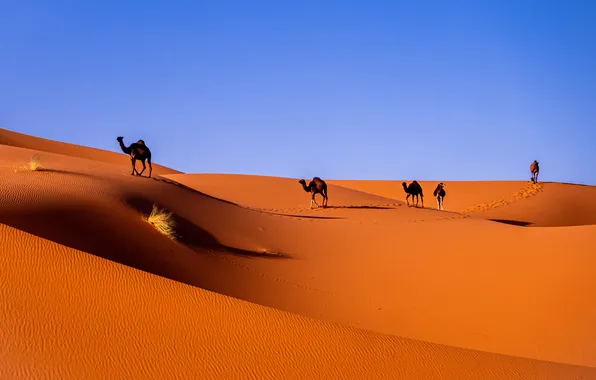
{"points": [[11, 138]]}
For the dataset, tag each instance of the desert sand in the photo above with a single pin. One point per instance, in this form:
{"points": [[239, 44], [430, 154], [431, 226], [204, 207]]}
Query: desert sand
{"points": [[257, 285]]}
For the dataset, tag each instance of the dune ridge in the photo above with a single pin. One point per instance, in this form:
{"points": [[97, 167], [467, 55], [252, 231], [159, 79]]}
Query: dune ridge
{"points": [[260, 286], [40, 145]]}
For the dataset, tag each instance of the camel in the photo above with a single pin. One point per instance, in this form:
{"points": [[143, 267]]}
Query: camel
{"points": [[440, 193], [414, 189], [316, 186], [534, 169], [137, 151]]}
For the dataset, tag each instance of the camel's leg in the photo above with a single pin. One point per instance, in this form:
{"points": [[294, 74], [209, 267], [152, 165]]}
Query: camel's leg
{"points": [[408, 202], [324, 195], [150, 167], [439, 202], [133, 160], [314, 200], [422, 200], [144, 167]]}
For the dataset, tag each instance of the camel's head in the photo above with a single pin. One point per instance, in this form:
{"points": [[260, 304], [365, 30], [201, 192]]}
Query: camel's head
{"points": [[119, 138], [442, 184], [302, 182], [405, 185]]}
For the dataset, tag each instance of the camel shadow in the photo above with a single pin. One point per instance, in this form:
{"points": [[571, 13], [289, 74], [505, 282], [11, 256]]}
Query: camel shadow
{"points": [[298, 215], [512, 222], [370, 207]]}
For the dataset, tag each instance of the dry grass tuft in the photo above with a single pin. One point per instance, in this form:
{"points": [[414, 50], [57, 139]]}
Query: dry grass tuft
{"points": [[163, 222], [33, 165]]}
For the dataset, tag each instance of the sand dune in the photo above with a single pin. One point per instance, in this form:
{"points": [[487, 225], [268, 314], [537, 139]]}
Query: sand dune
{"points": [[460, 194], [515, 202], [15, 139], [66, 314], [314, 291], [275, 193]]}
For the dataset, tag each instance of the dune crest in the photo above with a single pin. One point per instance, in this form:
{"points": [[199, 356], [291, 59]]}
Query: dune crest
{"points": [[525, 192]]}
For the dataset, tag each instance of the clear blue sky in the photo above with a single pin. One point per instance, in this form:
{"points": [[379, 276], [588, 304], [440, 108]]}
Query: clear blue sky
{"points": [[441, 90]]}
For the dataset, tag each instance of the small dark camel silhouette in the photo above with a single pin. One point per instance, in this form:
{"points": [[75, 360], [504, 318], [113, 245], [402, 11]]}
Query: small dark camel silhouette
{"points": [[534, 169], [316, 186], [440, 193], [137, 151], [414, 189]]}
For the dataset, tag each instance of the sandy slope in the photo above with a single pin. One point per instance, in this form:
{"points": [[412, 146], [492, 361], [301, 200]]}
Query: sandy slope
{"points": [[460, 194], [41, 145], [69, 315], [515, 202], [274, 193], [393, 270], [447, 269]]}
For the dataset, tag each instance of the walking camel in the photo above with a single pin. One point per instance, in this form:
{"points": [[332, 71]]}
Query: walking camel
{"points": [[440, 193], [316, 186], [137, 151], [414, 189], [534, 169]]}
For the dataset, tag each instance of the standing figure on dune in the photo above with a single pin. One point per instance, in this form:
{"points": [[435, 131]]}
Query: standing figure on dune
{"points": [[137, 151], [316, 186], [440, 193], [414, 189], [534, 169]]}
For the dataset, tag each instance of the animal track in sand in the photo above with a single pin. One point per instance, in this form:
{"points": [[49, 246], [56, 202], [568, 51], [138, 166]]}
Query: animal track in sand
{"points": [[306, 210], [453, 217], [525, 192]]}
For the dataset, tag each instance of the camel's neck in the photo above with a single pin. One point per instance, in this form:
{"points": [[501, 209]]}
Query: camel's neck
{"points": [[124, 148], [306, 188]]}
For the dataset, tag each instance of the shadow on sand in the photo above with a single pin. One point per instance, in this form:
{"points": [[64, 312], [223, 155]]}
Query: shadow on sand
{"points": [[194, 237], [370, 207], [116, 236], [512, 222]]}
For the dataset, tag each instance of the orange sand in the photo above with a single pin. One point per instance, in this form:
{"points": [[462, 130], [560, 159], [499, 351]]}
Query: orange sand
{"points": [[259, 286]]}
